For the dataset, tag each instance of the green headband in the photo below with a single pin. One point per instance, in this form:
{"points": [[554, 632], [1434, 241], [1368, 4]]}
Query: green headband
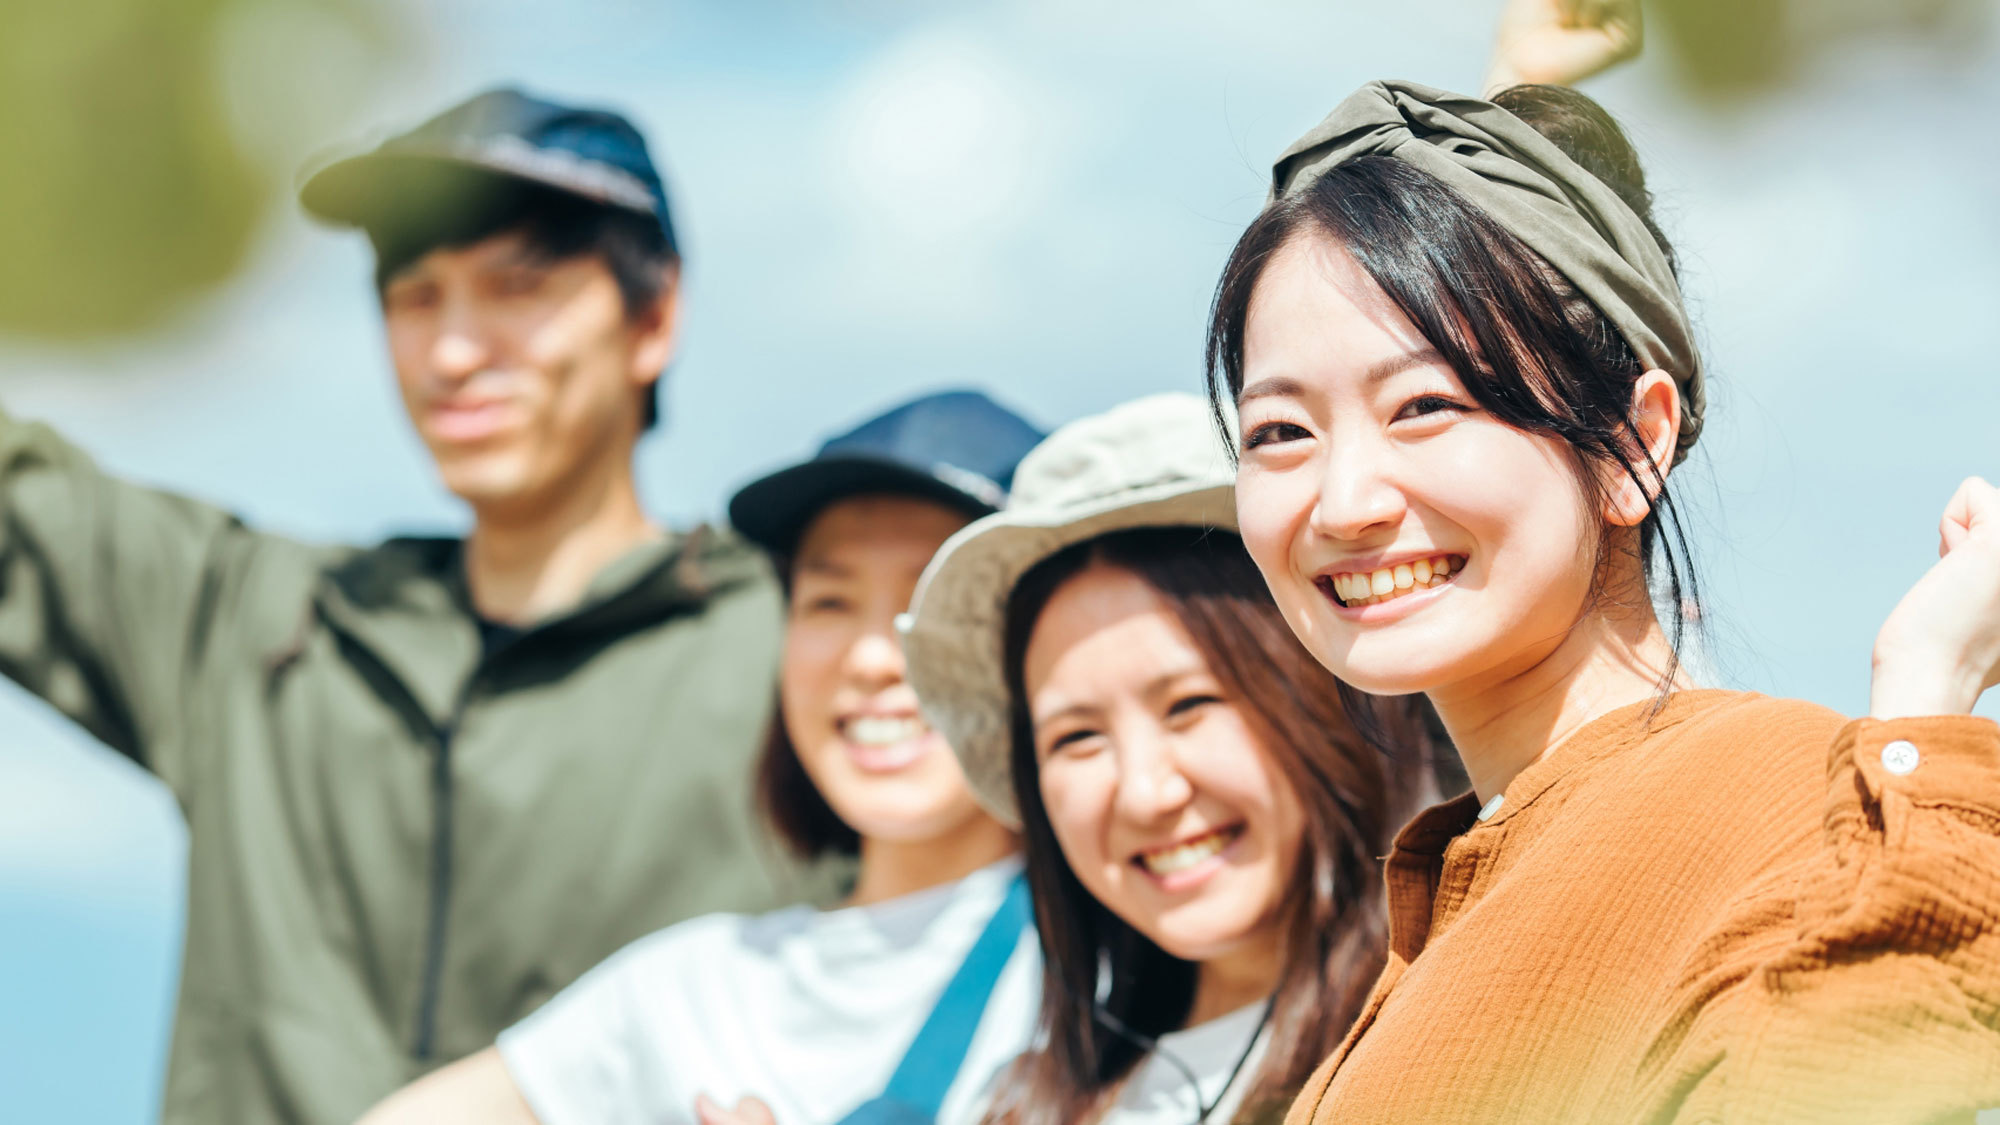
{"points": [[1542, 197]]}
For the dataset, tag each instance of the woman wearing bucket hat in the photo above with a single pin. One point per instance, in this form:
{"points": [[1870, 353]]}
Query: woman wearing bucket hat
{"points": [[1199, 819], [901, 1004], [1464, 375]]}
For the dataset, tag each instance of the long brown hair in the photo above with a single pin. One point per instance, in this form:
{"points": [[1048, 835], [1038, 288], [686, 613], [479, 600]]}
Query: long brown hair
{"points": [[1354, 797]]}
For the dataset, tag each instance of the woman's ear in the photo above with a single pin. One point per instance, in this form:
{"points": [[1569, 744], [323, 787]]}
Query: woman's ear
{"points": [[1656, 420]]}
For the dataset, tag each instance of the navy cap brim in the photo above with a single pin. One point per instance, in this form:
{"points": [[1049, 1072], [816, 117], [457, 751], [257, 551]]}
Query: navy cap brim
{"points": [[773, 511], [379, 188]]}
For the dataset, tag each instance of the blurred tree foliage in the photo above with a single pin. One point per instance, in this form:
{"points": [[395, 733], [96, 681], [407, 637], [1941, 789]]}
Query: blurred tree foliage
{"points": [[128, 179], [1728, 49], [137, 163]]}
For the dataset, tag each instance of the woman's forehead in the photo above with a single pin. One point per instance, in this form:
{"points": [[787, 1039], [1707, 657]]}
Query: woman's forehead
{"points": [[1316, 313], [1114, 629], [850, 531]]}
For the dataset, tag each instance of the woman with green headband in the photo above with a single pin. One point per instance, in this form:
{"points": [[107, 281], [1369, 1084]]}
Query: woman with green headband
{"points": [[1465, 375]]}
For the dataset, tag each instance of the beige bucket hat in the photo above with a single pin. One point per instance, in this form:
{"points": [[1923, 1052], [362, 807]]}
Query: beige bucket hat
{"points": [[1153, 462]]}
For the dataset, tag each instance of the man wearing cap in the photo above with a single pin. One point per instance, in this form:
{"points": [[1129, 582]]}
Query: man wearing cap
{"points": [[429, 782]]}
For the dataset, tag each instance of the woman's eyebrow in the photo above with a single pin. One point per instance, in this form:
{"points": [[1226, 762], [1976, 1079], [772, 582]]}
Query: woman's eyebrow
{"points": [[1284, 385], [1271, 387], [1396, 365], [1066, 710], [1167, 681]]}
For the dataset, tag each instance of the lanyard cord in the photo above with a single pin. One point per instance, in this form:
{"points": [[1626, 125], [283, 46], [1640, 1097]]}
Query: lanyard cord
{"points": [[1152, 1046]]}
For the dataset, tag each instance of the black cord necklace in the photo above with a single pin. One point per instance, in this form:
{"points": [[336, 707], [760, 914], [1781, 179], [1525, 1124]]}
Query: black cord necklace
{"points": [[1152, 1046]]}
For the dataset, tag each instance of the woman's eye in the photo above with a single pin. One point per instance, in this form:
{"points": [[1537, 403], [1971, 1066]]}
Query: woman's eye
{"points": [[825, 603], [1188, 704], [1272, 433], [1423, 405], [1072, 741]]}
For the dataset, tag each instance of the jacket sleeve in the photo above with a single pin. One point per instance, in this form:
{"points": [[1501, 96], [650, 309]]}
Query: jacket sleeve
{"points": [[107, 590], [1884, 1005]]}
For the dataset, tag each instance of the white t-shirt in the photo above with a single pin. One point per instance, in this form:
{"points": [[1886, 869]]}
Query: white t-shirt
{"points": [[808, 1010], [1158, 1093]]}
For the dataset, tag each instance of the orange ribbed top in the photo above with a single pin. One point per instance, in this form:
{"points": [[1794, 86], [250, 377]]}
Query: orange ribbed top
{"points": [[1734, 912]]}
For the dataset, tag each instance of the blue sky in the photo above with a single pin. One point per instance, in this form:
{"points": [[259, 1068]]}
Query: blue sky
{"points": [[1033, 197]]}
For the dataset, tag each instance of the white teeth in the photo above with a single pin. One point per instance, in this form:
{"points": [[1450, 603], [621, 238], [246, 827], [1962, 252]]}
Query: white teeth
{"points": [[1356, 590], [884, 731], [1183, 856]]}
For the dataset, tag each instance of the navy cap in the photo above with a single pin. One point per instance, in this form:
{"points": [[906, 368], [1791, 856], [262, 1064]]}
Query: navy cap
{"points": [[956, 447], [501, 135]]}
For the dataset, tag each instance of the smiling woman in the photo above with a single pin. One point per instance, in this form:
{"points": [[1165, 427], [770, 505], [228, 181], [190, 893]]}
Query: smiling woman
{"points": [[1464, 376], [850, 719], [1201, 820], [1206, 816]]}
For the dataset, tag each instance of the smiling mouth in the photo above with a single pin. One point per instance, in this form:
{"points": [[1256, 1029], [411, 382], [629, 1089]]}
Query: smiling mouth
{"points": [[1355, 589], [1176, 858], [884, 743], [878, 731]]}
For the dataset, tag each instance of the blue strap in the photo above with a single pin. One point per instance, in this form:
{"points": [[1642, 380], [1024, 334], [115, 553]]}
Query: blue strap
{"points": [[916, 1090]]}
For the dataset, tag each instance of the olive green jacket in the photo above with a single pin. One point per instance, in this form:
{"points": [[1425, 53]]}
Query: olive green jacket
{"points": [[397, 846]]}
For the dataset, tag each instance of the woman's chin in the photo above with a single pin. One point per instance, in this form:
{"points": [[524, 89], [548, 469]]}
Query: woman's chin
{"points": [[1205, 944], [911, 817], [1226, 934], [1390, 683], [1402, 659]]}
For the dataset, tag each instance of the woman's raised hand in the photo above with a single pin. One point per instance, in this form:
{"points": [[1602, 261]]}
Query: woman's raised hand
{"points": [[1940, 647], [1559, 42]]}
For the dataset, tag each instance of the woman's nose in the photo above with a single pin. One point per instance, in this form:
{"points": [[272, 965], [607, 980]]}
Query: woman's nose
{"points": [[1356, 495], [876, 660], [1151, 785]]}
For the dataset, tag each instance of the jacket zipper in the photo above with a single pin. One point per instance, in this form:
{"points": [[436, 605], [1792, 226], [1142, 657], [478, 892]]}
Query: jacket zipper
{"points": [[432, 980], [431, 983]]}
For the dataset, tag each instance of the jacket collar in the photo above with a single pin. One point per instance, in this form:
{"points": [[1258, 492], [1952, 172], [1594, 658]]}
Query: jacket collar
{"points": [[406, 603]]}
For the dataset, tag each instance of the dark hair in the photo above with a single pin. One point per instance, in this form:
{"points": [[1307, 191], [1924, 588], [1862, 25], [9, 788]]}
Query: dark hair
{"points": [[557, 225], [1353, 797], [792, 804], [1529, 348], [785, 793]]}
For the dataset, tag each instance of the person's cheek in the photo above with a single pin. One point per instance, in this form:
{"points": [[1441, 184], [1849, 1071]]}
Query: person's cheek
{"points": [[1076, 818], [808, 681], [1056, 801], [1259, 507]]}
